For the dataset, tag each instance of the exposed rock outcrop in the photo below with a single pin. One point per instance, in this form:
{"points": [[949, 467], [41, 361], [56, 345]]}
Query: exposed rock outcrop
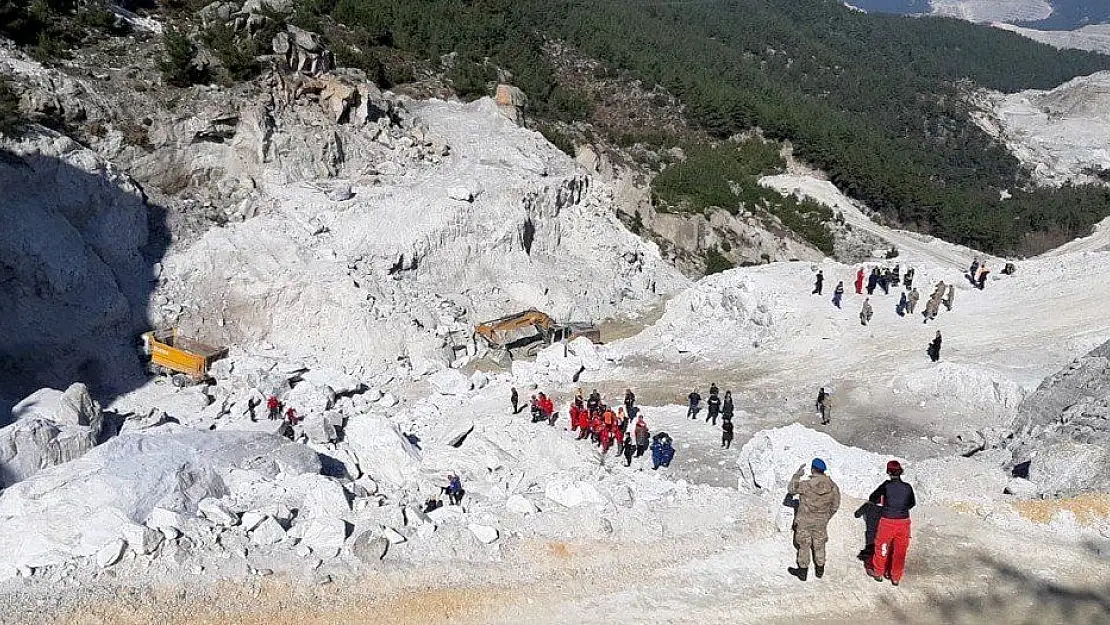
{"points": [[1063, 428], [73, 232]]}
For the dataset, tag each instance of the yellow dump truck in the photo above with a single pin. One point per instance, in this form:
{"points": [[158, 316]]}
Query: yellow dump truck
{"points": [[185, 360]]}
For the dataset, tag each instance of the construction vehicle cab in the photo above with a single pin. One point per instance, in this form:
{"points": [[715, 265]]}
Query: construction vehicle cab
{"points": [[185, 360]]}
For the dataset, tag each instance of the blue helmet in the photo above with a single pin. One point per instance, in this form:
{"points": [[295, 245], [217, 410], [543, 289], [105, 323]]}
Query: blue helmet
{"points": [[818, 465]]}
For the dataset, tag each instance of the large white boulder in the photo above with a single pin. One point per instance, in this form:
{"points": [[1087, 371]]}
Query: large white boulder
{"points": [[383, 452], [33, 444], [484, 533], [318, 429], [450, 382], [73, 407], [268, 532], [322, 535], [586, 352], [140, 538], [369, 547], [309, 398], [1067, 467], [570, 493], [74, 510], [217, 512], [340, 383], [519, 504], [771, 457], [319, 496]]}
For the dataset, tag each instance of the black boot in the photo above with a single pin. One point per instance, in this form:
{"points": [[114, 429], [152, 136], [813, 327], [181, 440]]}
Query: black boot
{"points": [[801, 574], [819, 571]]}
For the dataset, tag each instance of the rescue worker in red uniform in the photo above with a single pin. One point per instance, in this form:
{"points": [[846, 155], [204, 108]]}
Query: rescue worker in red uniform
{"points": [[892, 539], [274, 406]]}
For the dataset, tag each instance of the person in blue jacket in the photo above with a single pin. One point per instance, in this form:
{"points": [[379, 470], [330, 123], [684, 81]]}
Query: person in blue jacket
{"points": [[662, 450], [454, 490]]}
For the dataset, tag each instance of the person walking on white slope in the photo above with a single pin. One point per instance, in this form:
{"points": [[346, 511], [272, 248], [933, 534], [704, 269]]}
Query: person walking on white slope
{"points": [[695, 405], [934, 348], [865, 313]]}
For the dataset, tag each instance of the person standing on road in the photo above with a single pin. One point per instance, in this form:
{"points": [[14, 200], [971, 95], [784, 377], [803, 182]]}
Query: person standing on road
{"points": [[892, 540], [859, 281], [819, 284], [695, 404], [274, 407], [838, 293], [818, 501]]}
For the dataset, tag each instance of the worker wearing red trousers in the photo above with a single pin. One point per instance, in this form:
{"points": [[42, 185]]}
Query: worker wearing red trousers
{"points": [[892, 540]]}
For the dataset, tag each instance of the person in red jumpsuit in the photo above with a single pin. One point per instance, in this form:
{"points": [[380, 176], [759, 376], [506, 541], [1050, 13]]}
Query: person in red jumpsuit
{"points": [[892, 539]]}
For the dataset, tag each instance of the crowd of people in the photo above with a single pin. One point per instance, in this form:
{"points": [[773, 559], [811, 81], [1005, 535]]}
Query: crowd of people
{"points": [[886, 278], [623, 430], [715, 407]]}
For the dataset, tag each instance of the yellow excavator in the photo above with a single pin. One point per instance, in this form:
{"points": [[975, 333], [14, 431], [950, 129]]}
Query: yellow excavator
{"points": [[530, 330]]}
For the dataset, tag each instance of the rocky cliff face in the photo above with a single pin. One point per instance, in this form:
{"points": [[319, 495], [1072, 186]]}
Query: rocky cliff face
{"points": [[75, 264], [317, 214], [1064, 428]]}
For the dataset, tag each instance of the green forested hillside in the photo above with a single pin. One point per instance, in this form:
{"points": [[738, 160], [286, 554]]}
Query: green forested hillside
{"points": [[877, 101], [874, 100]]}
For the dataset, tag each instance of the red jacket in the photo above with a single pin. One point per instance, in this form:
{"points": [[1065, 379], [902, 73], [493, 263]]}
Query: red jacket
{"points": [[580, 417], [606, 437], [547, 406]]}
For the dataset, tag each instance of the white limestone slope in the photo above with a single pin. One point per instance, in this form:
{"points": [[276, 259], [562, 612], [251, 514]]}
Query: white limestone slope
{"points": [[1094, 38], [373, 277], [998, 343], [993, 10], [1060, 133]]}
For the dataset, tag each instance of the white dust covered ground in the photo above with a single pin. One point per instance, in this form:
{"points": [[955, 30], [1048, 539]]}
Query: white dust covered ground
{"points": [[199, 512]]}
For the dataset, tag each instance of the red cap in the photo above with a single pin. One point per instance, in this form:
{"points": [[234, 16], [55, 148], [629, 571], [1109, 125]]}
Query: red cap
{"points": [[894, 468]]}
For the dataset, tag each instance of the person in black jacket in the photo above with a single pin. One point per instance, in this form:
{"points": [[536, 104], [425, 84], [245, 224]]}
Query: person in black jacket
{"points": [[934, 348], [726, 434], [714, 405], [892, 540], [695, 404]]}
